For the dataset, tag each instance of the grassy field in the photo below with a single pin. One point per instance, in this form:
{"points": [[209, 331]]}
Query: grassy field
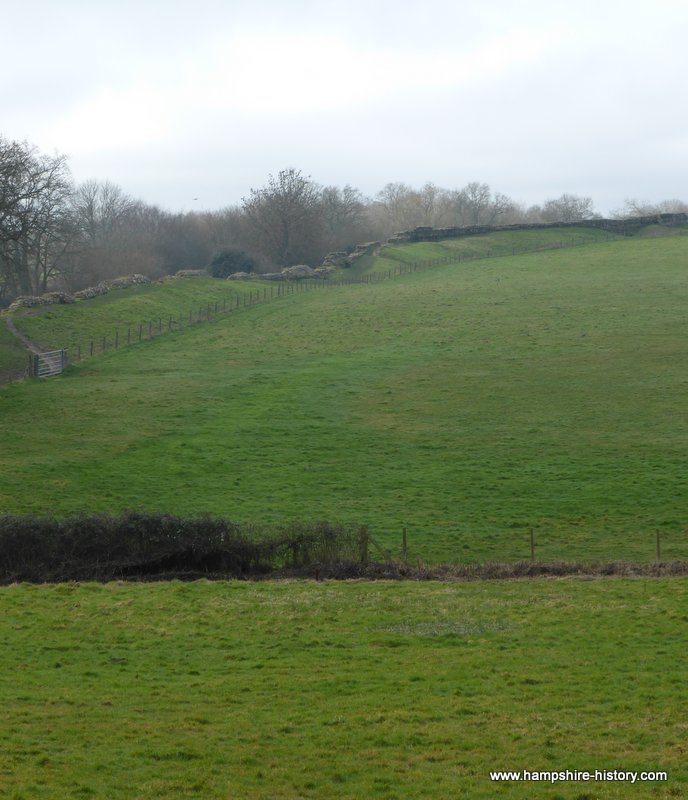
{"points": [[467, 403], [341, 690], [120, 313], [499, 243], [74, 326], [13, 356]]}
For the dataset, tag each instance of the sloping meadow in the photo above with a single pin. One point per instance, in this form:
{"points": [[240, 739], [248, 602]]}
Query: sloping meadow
{"points": [[470, 404]]}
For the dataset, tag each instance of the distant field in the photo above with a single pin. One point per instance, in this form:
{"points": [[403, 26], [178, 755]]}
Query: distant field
{"points": [[467, 403], [341, 690], [123, 314], [74, 326], [500, 243]]}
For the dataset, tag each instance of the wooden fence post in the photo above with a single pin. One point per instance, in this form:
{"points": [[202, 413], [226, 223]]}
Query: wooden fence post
{"points": [[532, 545], [363, 538], [404, 546], [659, 554]]}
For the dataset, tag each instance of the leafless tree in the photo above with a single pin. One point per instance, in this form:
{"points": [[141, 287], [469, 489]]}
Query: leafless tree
{"points": [[284, 219], [343, 214], [642, 208], [115, 234], [33, 193], [476, 205], [568, 208], [399, 203], [100, 209]]}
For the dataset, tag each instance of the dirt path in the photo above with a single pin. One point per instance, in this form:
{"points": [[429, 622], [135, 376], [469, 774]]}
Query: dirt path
{"points": [[7, 376], [32, 347]]}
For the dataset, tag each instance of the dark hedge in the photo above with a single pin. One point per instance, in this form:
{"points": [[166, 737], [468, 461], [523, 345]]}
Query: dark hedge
{"points": [[137, 545]]}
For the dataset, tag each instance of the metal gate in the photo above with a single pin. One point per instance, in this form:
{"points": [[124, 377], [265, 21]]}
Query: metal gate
{"points": [[43, 365]]}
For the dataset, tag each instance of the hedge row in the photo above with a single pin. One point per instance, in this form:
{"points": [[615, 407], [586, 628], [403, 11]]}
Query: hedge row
{"points": [[137, 545]]}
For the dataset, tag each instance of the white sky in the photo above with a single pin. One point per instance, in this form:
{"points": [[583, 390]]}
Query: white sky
{"points": [[176, 101]]}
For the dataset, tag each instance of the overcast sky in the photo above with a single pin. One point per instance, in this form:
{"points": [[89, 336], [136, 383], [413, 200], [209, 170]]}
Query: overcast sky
{"points": [[190, 105]]}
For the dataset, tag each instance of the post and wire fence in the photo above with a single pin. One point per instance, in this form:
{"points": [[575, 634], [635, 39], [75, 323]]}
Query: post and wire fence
{"points": [[668, 547], [214, 309]]}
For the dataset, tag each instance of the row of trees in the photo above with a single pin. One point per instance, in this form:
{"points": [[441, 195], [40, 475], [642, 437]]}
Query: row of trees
{"points": [[55, 234]]}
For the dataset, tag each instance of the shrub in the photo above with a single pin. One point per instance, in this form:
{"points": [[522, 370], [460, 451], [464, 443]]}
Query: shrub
{"points": [[148, 546], [227, 262]]}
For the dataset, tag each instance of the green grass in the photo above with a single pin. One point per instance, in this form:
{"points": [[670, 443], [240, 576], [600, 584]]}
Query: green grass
{"points": [[346, 690], [13, 357], [120, 313], [654, 231], [500, 243], [467, 403], [75, 326]]}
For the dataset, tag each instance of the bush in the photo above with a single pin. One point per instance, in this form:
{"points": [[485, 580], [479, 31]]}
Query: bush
{"points": [[227, 262], [144, 546]]}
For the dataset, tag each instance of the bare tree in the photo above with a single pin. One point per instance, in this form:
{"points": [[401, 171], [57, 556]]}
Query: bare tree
{"points": [[284, 218], [568, 208], [400, 204], [642, 208], [100, 209], [476, 201], [476, 205], [343, 214], [115, 234], [33, 192]]}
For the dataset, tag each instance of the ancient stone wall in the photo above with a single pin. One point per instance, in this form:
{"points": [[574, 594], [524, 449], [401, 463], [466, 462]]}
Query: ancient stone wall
{"points": [[625, 227]]}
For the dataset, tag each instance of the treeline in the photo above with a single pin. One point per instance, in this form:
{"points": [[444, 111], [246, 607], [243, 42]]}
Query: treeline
{"points": [[55, 234]]}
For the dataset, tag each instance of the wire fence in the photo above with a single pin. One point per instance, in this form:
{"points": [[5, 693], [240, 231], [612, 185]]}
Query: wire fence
{"points": [[147, 546], [145, 330], [538, 546]]}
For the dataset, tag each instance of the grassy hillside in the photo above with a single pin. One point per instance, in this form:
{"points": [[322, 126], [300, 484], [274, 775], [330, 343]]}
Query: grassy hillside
{"points": [[341, 690], [91, 327], [13, 356], [75, 326], [500, 243], [467, 403]]}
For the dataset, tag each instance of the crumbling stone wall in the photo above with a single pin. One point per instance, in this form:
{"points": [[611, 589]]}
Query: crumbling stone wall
{"points": [[53, 298], [624, 227]]}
